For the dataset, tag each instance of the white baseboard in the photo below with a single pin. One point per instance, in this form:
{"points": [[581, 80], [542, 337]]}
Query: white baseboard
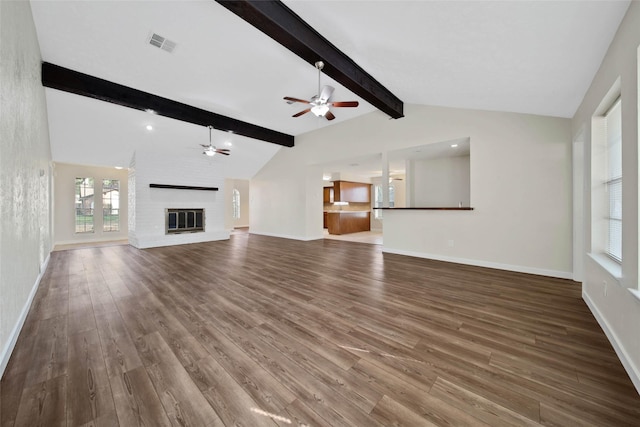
{"points": [[632, 370], [286, 236], [15, 333], [81, 241], [480, 263]]}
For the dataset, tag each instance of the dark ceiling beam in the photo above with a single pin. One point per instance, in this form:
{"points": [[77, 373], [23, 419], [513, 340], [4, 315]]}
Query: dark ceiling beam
{"points": [[56, 77], [281, 24]]}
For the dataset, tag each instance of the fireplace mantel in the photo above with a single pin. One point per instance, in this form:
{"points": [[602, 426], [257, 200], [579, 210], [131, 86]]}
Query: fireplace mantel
{"points": [[183, 187]]}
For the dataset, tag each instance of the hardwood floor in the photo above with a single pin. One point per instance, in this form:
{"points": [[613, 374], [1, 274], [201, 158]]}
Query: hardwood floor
{"points": [[260, 331]]}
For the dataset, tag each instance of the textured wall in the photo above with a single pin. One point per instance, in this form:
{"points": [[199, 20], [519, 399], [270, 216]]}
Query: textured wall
{"points": [[25, 168]]}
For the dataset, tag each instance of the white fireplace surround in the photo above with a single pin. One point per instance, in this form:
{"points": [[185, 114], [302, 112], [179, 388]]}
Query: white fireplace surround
{"points": [[148, 206]]}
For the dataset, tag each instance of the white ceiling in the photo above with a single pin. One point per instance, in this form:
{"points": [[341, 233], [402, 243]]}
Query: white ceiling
{"points": [[522, 56]]}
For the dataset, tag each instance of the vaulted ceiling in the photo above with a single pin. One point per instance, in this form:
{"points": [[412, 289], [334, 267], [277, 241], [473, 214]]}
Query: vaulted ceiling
{"points": [[533, 57]]}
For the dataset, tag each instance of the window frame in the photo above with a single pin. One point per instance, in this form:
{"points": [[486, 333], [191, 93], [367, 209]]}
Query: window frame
{"points": [[108, 226], [236, 204], [80, 197], [613, 180]]}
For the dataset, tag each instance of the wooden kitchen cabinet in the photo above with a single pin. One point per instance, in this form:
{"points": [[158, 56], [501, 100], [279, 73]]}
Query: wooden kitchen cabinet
{"points": [[327, 195], [355, 192], [346, 222]]}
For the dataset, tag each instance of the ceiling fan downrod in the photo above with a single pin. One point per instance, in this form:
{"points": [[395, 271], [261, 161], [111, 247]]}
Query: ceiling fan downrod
{"points": [[319, 67]]}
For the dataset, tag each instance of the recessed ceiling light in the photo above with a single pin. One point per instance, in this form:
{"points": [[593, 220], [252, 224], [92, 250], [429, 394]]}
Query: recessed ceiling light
{"points": [[150, 111], [454, 145], [118, 167], [149, 127], [228, 144]]}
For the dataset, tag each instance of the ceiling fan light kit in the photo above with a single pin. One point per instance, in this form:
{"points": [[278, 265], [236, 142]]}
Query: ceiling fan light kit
{"points": [[319, 104], [320, 109]]}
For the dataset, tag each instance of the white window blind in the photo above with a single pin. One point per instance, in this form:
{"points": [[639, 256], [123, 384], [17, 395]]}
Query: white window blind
{"points": [[613, 182]]}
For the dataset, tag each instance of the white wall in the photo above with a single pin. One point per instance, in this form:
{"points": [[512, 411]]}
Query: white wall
{"points": [[609, 298], [25, 172], [64, 195], [400, 191], [441, 182], [520, 187], [520, 174], [147, 209], [286, 198]]}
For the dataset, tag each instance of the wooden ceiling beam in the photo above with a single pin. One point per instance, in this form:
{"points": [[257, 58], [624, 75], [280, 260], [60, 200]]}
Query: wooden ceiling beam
{"points": [[281, 24], [56, 77]]}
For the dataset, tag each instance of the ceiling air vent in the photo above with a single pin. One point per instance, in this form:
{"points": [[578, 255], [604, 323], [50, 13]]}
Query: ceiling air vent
{"points": [[159, 41]]}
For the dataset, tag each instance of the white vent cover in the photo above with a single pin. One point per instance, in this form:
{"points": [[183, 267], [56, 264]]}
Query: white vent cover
{"points": [[161, 42]]}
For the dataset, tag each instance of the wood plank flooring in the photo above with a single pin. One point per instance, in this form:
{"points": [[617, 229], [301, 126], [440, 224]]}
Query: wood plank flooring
{"points": [[260, 331]]}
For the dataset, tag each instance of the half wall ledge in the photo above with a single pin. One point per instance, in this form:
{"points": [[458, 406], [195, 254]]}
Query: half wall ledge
{"points": [[429, 209]]}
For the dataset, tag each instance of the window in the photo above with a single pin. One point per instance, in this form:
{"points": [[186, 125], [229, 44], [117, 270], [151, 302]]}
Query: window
{"points": [[378, 197], [110, 205], [392, 196], [84, 202], [377, 201], [236, 204], [613, 183]]}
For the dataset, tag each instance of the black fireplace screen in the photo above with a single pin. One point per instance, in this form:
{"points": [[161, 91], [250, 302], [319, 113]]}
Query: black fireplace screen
{"points": [[184, 220]]}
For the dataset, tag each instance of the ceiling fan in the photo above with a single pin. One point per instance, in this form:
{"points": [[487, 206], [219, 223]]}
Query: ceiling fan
{"points": [[210, 150], [319, 104]]}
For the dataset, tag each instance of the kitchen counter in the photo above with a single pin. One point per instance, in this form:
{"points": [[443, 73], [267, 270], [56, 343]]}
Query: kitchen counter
{"points": [[345, 222]]}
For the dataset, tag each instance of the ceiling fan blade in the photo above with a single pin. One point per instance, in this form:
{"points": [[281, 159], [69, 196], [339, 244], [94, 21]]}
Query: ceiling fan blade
{"points": [[345, 104], [325, 94], [223, 149], [222, 152], [304, 101], [329, 115], [302, 112], [205, 146]]}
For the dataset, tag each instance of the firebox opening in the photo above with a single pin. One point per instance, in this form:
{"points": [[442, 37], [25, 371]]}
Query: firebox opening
{"points": [[184, 221]]}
